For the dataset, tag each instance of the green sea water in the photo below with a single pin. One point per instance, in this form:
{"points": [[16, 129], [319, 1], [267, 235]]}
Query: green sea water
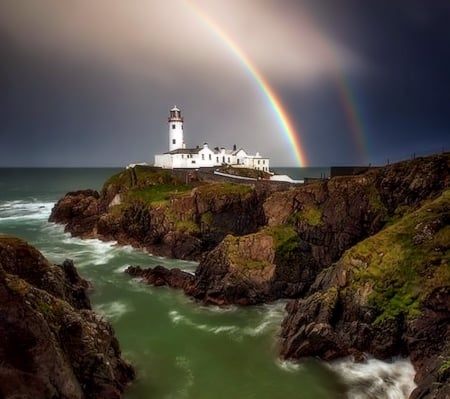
{"points": [[180, 348]]}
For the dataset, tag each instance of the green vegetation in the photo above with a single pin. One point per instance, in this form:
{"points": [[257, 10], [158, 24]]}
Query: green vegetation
{"points": [[157, 194], [286, 243], [405, 261], [444, 366], [244, 172], [207, 218], [232, 244], [310, 214], [220, 189], [376, 204], [140, 177]]}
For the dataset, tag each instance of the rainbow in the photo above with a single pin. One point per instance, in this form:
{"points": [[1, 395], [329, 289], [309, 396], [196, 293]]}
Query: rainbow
{"points": [[274, 101], [351, 113]]}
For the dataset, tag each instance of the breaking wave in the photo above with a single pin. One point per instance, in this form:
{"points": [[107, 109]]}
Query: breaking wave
{"points": [[270, 320], [24, 210], [113, 311], [376, 379]]}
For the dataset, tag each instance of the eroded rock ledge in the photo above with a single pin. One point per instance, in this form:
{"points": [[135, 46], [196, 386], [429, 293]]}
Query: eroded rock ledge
{"points": [[52, 345]]}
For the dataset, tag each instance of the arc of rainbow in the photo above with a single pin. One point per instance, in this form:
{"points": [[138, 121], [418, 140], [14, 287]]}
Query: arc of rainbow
{"points": [[261, 81], [351, 114]]}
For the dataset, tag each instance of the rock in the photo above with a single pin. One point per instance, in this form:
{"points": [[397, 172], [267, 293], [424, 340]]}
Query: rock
{"points": [[79, 211], [51, 343], [387, 296], [160, 276]]}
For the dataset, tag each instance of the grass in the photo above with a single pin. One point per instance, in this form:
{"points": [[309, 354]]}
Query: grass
{"points": [[228, 189], [140, 177], [311, 215], [401, 270], [157, 194]]}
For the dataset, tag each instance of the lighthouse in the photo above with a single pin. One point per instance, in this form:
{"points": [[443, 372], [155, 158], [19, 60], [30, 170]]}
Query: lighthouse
{"points": [[176, 139], [202, 156]]}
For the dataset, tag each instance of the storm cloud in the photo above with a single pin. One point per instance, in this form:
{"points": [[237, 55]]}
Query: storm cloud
{"points": [[90, 82]]}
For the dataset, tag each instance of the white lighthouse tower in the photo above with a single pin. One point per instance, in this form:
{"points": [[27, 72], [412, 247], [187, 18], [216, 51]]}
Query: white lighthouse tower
{"points": [[176, 139]]}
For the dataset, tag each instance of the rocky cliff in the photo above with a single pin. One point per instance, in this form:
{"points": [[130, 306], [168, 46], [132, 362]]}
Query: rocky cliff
{"points": [[365, 257], [165, 212], [52, 345]]}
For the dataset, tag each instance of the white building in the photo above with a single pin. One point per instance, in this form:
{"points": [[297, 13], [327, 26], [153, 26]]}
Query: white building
{"points": [[179, 156]]}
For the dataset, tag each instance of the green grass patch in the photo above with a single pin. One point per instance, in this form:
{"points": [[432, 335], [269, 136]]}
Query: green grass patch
{"points": [[207, 218], [228, 189], [311, 215], [140, 177], [444, 366], [401, 269], [157, 194]]}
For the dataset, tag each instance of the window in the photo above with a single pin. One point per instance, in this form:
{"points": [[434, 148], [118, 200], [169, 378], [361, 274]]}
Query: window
{"points": [[223, 159], [217, 159], [203, 157], [173, 141], [210, 157], [228, 159], [193, 161], [258, 161], [264, 162], [173, 126], [182, 156]]}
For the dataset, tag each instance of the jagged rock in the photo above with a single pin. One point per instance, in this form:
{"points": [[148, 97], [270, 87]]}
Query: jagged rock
{"points": [[52, 345], [79, 211], [160, 276], [388, 296]]}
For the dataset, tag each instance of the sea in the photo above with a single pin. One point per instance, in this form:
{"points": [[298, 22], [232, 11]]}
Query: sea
{"points": [[180, 348]]}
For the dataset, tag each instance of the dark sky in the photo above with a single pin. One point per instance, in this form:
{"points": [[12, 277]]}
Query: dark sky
{"points": [[90, 83]]}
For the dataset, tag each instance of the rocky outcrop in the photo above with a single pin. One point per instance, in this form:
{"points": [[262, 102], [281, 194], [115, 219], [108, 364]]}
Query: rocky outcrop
{"points": [[388, 296], [160, 276], [155, 210], [52, 345], [79, 211], [366, 256]]}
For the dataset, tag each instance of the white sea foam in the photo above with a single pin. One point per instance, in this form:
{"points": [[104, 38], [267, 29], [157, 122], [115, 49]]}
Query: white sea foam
{"points": [[24, 210], [271, 320], [273, 316], [98, 252], [113, 310], [121, 269], [178, 318], [375, 379], [184, 364], [289, 366]]}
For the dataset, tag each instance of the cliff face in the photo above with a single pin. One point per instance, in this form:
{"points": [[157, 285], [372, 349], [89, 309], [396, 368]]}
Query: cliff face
{"points": [[366, 257], [51, 343], [388, 295], [310, 227], [156, 210]]}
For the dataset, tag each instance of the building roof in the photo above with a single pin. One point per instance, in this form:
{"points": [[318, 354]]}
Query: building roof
{"points": [[184, 151]]}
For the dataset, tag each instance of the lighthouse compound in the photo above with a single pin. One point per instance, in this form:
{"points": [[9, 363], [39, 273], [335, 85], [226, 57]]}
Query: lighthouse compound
{"points": [[179, 156]]}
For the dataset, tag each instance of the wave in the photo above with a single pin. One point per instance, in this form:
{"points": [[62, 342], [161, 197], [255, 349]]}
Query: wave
{"points": [[97, 252], [177, 318], [25, 210], [113, 311], [271, 320], [289, 366], [375, 379]]}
